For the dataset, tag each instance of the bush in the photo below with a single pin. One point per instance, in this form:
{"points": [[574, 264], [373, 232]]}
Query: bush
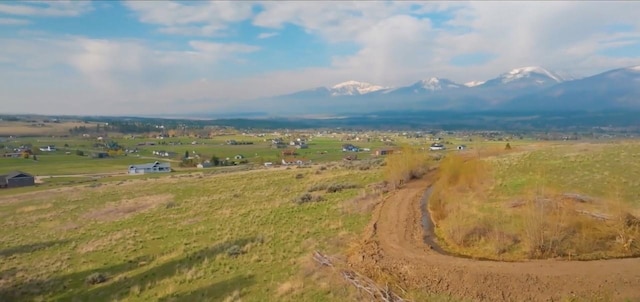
{"points": [[96, 278], [79, 153], [234, 251], [337, 187], [299, 176], [402, 166], [307, 197]]}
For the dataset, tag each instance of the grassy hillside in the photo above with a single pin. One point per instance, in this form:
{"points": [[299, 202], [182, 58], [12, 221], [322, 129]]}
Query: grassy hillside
{"points": [[566, 200], [179, 238]]}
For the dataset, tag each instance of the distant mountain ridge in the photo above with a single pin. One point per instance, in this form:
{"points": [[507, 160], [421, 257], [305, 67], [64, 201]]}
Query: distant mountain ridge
{"points": [[524, 88]]}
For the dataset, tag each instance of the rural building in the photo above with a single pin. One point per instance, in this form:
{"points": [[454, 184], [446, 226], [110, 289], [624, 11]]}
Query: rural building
{"points": [[268, 164], [99, 154], [238, 156], [16, 179], [13, 155], [205, 164], [349, 148], [382, 152], [156, 167], [295, 161], [436, 147], [48, 148], [461, 147]]}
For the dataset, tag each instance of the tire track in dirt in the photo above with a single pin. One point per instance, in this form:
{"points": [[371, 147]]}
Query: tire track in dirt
{"points": [[393, 248]]}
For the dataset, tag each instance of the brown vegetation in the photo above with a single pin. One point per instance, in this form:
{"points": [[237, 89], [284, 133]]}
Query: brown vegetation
{"points": [[540, 224], [407, 164]]}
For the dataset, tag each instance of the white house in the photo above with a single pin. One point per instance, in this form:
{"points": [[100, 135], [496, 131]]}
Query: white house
{"points": [[156, 167], [48, 149], [295, 161], [436, 147]]}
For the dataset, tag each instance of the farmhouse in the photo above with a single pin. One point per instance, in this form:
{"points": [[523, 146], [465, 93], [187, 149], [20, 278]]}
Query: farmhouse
{"points": [[156, 167], [16, 179]]}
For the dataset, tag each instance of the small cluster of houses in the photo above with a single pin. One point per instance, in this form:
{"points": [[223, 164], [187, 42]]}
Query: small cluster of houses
{"points": [[163, 153]]}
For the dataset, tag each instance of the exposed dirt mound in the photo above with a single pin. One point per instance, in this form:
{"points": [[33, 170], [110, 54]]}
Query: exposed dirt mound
{"points": [[393, 248]]}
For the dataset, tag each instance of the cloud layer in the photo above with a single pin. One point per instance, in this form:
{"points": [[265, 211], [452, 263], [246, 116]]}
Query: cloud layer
{"points": [[199, 55]]}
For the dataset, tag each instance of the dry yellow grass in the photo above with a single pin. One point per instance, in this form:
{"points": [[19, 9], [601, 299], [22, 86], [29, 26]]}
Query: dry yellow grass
{"points": [[29, 129], [539, 222]]}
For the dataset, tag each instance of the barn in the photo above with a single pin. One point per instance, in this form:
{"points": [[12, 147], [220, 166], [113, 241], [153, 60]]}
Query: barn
{"points": [[16, 179]]}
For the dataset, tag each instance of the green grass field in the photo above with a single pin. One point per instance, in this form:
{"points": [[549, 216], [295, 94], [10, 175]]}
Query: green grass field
{"points": [[321, 149], [182, 237]]}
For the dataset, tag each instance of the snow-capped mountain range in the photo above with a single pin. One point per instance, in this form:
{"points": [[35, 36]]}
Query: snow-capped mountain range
{"points": [[525, 88], [354, 88]]}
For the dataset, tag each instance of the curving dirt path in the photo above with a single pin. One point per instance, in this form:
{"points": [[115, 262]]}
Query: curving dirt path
{"points": [[394, 247]]}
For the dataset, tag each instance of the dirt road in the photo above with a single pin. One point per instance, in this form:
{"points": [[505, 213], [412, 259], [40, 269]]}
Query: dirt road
{"points": [[393, 247]]}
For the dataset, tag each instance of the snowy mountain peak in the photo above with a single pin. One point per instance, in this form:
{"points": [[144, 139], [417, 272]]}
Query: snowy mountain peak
{"points": [[526, 72], [434, 84], [474, 83], [634, 68], [354, 88]]}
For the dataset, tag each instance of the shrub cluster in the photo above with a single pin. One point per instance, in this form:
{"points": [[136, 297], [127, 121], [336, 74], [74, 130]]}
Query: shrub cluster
{"points": [[96, 278], [308, 197]]}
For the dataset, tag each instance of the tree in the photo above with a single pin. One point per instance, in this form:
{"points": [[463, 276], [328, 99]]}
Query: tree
{"points": [[215, 160], [35, 157], [507, 147], [186, 154]]}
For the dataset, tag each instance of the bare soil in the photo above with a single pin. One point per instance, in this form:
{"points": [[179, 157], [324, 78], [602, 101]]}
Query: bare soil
{"points": [[393, 249]]}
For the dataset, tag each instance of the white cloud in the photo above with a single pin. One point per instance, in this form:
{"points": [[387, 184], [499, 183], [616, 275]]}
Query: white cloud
{"points": [[267, 35], [396, 44], [192, 18], [62, 8], [79, 73], [13, 21]]}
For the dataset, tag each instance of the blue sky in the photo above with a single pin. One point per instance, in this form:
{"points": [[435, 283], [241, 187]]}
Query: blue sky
{"points": [[144, 57]]}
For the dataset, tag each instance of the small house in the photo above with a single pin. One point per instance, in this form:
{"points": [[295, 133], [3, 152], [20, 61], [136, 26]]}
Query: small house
{"points": [[461, 147], [383, 152], [48, 148], [436, 147], [155, 167], [268, 164], [16, 179]]}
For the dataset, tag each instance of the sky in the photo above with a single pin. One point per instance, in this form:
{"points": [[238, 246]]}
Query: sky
{"points": [[148, 57]]}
